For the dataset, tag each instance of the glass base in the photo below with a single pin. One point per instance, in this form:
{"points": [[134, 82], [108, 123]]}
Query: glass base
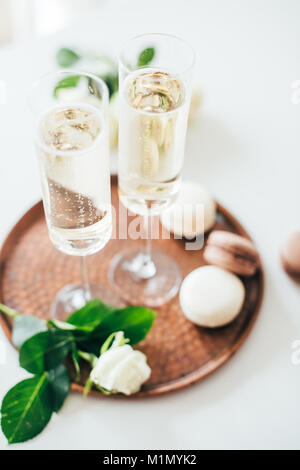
{"points": [[73, 296], [140, 283]]}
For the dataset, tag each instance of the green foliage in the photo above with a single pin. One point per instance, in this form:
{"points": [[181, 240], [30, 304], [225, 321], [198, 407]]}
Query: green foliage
{"points": [[26, 409], [66, 57], [68, 82], [28, 406], [146, 56], [59, 385], [45, 351]]}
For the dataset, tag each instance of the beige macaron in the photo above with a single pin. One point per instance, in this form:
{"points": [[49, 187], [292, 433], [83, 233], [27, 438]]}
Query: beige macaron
{"points": [[192, 214], [290, 255], [232, 252]]}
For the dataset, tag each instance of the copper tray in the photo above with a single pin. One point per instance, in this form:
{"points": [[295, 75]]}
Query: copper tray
{"points": [[179, 353]]}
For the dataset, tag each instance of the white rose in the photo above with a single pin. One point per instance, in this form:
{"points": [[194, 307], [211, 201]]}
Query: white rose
{"points": [[121, 369]]}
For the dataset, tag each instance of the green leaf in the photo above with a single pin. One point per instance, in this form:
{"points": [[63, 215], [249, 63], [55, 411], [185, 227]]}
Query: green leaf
{"points": [[96, 321], [76, 362], [68, 82], [31, 355], [146, 56], [26, 326], [90, 345], [112, 82], [135, 322], [45, 350], [66, 57], [90, 316], [61, 325], [26, 409], [59, 386]]}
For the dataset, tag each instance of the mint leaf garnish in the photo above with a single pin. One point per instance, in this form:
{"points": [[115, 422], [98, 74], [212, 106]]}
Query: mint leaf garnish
{"points": [[146, 56], [68, 82], [66, 57]]}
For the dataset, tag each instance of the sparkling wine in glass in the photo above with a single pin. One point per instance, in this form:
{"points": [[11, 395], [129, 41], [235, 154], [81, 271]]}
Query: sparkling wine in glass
{"points": [[72, 148], [154, 105]]}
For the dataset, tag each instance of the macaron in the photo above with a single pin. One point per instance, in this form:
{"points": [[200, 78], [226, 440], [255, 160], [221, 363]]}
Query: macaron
{"points": [[211, 296], [232, 252], [193, 213], [290, 255]]}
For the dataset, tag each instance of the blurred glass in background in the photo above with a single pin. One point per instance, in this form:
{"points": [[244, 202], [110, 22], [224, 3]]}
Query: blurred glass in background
{"points": [[22, 19]]}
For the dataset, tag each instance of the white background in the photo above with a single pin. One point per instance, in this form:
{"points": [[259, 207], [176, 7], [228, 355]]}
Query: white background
{"points": [[245, 147]]}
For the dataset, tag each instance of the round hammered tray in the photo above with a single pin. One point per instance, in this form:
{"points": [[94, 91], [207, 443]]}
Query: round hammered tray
{"points": [[178, 352]]}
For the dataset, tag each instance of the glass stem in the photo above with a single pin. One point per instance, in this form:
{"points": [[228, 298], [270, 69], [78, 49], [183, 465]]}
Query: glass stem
{"points": [[142, 266], [148, 268], [148, 242], [85, 278]]}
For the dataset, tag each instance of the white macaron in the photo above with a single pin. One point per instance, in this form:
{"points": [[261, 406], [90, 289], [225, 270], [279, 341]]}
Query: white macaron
{"points": [[211, 296], [192, 214]]}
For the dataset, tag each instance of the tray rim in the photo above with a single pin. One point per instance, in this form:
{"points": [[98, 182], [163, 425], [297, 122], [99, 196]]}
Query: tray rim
{"points": [[173, 385]]}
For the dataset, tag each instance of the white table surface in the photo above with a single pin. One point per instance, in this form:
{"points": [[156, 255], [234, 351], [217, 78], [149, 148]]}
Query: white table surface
{"points": [[245, 146]]}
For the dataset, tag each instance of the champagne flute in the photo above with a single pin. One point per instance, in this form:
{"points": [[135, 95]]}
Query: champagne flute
{"points": [[71, 110], [155, 87]]}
